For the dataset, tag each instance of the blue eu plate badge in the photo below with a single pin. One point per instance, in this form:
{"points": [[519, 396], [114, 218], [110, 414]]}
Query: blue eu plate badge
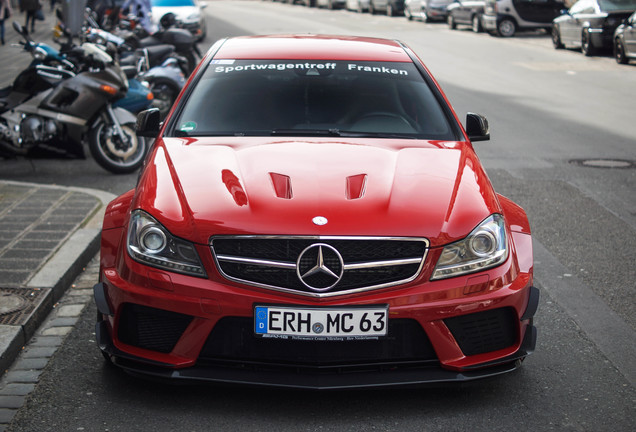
{"points": [[260, 323]]}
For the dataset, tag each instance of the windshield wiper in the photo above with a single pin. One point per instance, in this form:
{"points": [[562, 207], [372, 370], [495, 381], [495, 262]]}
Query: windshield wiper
{"points": [[335, 132], [306, 132]]}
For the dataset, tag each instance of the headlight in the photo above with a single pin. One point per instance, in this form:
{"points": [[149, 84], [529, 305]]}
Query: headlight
{"points": [[39, 54], [485, 247], [195, 17], [150, 243]]}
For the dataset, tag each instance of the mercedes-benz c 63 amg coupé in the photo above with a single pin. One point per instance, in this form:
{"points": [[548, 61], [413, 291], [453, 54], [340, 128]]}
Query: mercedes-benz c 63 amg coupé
{"points": [[314, 215]]}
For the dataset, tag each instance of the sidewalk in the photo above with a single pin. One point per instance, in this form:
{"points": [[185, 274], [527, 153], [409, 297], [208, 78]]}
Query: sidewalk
{"points": [[47, 235]]}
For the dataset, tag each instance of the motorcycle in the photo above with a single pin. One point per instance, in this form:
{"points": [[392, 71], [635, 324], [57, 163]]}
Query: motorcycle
{"points": [[168, 33], [138, 97], [48, 106], [158, 67]]}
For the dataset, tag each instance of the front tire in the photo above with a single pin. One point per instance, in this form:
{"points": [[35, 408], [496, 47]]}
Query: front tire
{"points": [[587, 48], [619, 52], [476, 24], [111, 153], [506, 28], [408, 14], [451, 22], [556, 38]]}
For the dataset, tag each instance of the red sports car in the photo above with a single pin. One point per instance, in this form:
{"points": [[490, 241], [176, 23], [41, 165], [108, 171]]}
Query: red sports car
{"points": [[313, 215]]}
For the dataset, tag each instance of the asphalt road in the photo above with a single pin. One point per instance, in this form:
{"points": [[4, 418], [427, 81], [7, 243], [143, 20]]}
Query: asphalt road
{"points": [[548, 110]]}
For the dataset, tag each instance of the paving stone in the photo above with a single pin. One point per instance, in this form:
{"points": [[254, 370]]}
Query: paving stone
{"points": [[18, 264], [45, 235], [26, 253], [39, 352], [70, 310], [14, 277], [6, 415], [31, 364], [23, 376], [62, 322], [45, 341], [11, 401], [57, 331], [15, 389]]}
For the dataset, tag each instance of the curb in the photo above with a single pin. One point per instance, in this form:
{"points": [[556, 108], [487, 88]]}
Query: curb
{"points": [[56, 275]]}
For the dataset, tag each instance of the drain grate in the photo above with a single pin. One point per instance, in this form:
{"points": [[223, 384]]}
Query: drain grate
{"points": [[16, 304], [605, 163]]}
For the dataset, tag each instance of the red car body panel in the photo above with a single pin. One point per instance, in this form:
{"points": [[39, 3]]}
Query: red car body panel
{"points": [[198, 188]]}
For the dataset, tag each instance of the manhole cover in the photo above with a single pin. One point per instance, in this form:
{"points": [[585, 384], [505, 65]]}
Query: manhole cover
{"points": [[17, 303], [604, 163], [10, 303]]}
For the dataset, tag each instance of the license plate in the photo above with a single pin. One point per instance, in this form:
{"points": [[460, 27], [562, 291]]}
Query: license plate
{"points": [[320, 323]]}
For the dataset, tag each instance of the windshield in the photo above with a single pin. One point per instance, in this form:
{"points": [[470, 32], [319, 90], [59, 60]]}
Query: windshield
{"points": [[171, 3], [309, 97], [617, 5]]}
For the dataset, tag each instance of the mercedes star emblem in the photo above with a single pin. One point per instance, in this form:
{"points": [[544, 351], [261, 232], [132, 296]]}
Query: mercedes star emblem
{"points": [[320, 220], [320, 267]]}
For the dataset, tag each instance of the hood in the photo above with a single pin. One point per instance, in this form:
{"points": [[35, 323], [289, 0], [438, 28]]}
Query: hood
{"points": [[200, 188]]}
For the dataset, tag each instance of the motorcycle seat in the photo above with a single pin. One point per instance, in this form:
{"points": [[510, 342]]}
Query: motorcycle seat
{"points": [[156, 54], [129, 71]]}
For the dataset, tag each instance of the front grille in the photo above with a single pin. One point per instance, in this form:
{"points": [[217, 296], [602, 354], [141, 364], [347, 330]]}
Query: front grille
{"points": [[149, 328], [484, 332], [232, 341], [357, 263]]}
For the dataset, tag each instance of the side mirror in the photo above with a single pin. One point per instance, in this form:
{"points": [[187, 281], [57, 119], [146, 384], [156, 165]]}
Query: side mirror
{"points": [[148, 123], [477, 127]]}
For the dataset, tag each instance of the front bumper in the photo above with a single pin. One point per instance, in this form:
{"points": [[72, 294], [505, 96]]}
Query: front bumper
{"points": [[489, 22], [148, 329]]}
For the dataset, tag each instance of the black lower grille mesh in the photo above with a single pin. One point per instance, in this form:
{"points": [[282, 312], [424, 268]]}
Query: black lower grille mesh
{"points": [[233, 339], [149, 328], [484, 332]]}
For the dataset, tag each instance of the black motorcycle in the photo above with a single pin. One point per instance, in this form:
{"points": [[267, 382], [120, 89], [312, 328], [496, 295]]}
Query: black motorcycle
{"points": [[56, 108], [169, 33]]}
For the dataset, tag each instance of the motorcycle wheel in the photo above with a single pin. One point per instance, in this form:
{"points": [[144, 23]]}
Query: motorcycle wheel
{"points": [[165, 93], [114, 155]]}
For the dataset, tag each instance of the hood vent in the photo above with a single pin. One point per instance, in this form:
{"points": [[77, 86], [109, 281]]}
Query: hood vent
{"points": [[356, 186], [282, 185]]}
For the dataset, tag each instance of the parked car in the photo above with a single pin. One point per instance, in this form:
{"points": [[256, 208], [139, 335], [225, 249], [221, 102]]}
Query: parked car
{"points": [[625, 41], [357, 5], [506, 17], [390, 7], [590, 25], [426, 10], [330, 4], [466, 12], [189, 13], [313, 215]]}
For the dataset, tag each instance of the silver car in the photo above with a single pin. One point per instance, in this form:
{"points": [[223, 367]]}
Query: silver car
{"points": [[426, 10], [189, 14], [625, 41]]}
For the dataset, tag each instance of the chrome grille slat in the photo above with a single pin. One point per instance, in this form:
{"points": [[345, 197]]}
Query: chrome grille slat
{"points": [[270, 261]]}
